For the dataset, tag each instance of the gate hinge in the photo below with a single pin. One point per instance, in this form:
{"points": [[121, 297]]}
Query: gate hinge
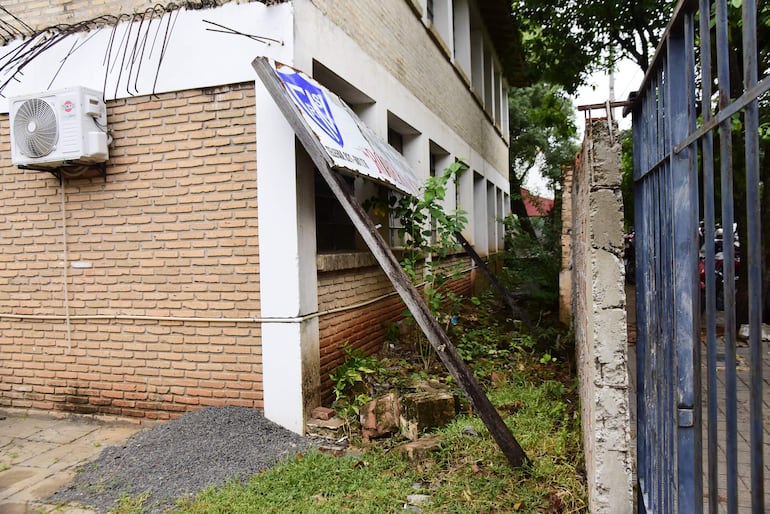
{"points": [[686, 417]]}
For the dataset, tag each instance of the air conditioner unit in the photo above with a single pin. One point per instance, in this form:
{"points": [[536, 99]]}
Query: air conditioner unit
{"points": [[58, 128]]}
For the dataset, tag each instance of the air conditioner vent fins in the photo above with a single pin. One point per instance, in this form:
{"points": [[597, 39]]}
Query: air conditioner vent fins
{"points": [[36, 128]]}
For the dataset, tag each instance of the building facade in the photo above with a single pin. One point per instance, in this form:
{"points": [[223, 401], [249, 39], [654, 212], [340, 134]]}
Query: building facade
{"points": [[206, 263]]}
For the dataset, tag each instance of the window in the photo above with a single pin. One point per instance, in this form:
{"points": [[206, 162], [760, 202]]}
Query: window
{"points": [[462, 36], [404, 139], [476, 52], [335, 231], [498, 94], [438, 15], [396, 140]]}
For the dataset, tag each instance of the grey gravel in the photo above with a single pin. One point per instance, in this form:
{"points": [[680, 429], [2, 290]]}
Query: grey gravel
{"points": [[181, 457]]}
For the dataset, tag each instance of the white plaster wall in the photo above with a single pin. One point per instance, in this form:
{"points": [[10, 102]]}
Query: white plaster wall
{"points": [[194, 57], [288, 283], [318, 38]]}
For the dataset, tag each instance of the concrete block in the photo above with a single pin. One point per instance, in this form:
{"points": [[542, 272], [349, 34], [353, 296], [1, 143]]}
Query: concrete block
{"points": [[380, 417], [608, 289], [333, 428], [420, 411], [609, 351], [419, 450], [606, 215]]}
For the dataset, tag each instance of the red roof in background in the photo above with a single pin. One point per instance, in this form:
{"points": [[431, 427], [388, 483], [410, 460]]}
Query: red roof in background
{"points": [[536, 205]]}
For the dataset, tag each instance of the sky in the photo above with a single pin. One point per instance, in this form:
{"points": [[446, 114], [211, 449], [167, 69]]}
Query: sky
{"points": [[628, 78]]}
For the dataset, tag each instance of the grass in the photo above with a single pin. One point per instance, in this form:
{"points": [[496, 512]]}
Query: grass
{"points": [[536, 397], [314, 482], [128, 504], [467, 474]]}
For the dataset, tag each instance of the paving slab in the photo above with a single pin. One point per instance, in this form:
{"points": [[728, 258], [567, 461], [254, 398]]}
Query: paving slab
{"points": [[41, 452]]}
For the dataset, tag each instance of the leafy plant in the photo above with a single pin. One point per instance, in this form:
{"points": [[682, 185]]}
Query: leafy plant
{"points": [[128, 504], [467, 472], [427, 232], [532, 264], [351, 381], [547, 358]]}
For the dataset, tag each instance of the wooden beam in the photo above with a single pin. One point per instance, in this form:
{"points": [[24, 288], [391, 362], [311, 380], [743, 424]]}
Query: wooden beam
{"points": [[400, 280], [515, 311]]}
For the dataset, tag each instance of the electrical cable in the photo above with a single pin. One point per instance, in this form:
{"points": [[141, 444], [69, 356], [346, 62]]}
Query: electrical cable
{"points": [[65, 264], [196, 319]]}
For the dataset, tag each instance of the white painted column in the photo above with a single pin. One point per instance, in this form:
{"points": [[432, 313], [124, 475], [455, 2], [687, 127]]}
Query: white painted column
{"points": [[288, 282], [491, 215], [480, 239], [465, 200]]}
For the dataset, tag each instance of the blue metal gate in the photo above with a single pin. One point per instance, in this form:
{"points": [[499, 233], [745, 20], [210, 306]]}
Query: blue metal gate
{"points": [[682, 131]]}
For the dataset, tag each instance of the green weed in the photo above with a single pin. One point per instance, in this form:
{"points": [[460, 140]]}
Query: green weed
{"points": [[128, 504]]}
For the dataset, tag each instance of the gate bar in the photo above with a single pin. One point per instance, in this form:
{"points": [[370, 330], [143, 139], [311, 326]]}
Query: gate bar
{"points": [[753, 214], [728, 251], [709, 223]]}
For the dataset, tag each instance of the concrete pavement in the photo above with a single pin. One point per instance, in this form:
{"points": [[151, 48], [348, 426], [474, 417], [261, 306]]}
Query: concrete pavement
{"points": [[40, 453], [743, 414]]}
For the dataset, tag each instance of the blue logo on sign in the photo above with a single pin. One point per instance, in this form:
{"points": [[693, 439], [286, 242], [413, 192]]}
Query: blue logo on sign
{"points": [[312, 100]]}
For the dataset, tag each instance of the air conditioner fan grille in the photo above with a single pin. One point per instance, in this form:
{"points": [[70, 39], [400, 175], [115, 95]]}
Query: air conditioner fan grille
{"points": [[35, 128]]}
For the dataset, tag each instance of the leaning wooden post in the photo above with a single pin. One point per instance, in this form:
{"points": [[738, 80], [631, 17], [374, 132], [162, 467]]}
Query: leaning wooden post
{"points": [[493, 279], [401, 282]]}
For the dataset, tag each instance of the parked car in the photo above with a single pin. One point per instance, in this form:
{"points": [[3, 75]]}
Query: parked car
{"points": [[718, 267]]}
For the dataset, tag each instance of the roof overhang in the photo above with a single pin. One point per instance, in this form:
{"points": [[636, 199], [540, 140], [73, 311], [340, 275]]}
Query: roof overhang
{"points": [[506, 38]]}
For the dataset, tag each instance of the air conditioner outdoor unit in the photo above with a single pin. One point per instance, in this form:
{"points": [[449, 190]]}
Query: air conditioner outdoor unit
{"points": [[58, 128]]}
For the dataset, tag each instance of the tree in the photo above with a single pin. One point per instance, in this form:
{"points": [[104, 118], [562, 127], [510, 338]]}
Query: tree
{"points": [[565, 41], [543, 131]]}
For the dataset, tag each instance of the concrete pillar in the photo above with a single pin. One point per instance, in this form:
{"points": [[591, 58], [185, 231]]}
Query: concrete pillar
{"points": [[599, 321], [288, 282], [480, 234]]}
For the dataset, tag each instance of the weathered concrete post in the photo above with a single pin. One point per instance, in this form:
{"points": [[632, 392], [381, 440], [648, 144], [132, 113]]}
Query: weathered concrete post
{"points": [[599, 318]]}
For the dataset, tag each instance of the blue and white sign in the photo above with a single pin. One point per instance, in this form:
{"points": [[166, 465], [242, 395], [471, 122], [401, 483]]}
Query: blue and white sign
{"points": [[349, 143], [312, 100]]}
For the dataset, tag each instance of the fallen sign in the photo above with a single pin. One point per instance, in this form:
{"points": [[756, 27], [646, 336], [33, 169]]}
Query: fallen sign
{"points": [[320, 117]]}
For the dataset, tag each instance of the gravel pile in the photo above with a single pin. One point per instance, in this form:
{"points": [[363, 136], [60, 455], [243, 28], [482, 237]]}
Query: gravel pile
{"points": [[184, 456]]}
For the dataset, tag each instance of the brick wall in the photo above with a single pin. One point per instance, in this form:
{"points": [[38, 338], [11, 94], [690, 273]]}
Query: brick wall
{"points": [[171, 232], [362, 327]]}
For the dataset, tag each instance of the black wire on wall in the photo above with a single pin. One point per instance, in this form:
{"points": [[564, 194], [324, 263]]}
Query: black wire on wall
{"points": [[147, 34]]}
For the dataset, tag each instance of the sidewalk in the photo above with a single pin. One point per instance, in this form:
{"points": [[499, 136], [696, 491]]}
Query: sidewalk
{"points": [[742, 386], [40, 453]]}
